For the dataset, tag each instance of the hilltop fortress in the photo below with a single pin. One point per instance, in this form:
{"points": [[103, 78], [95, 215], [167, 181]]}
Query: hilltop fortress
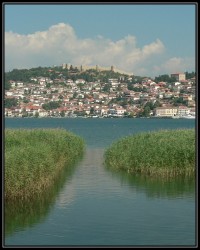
{"points": [[96, 67]]}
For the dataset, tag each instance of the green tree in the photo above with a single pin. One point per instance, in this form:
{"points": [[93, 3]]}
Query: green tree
{"points": [[75, 94], [80, 113], [24, 113], [150, 105], [48, 85], [10, 102], [137, 79], [107, 87], [179, 101], [7, 85], [62, 113], [92, 111], [36, 114], [156, 104], [51, 105], [25, 100], [165, 78], [189, 75], [146, 111]]}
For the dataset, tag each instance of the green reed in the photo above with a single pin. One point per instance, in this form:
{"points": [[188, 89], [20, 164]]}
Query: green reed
{"points": [[162, 153], [35, 157]]}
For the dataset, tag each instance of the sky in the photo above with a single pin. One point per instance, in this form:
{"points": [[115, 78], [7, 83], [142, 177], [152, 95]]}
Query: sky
{"points": [[141, 39]]}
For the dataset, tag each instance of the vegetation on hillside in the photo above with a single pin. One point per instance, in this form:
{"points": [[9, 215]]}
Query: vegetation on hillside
{"points": [[89, 75], [73, 73]]}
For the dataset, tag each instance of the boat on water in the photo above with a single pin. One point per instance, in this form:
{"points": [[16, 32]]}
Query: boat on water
{"points": [[189, 116], [176, 117]]}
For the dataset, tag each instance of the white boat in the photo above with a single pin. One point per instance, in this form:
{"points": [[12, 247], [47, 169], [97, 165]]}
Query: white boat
{"points": [[176, 117], [188, 116]]}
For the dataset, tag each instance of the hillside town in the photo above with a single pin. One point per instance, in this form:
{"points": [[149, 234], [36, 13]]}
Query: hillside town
{"points": [[119, 97]]}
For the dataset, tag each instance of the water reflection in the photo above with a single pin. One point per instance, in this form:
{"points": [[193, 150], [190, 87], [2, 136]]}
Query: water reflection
{"points": [[19, 215], [176, 187], [66, 197]]}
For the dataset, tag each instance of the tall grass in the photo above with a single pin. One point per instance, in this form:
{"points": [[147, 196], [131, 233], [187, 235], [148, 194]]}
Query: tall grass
{"points": [[22, 214], [162, 153], [35, 157]]}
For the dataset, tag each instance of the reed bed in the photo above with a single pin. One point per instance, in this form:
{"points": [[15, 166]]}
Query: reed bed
{"points": [[35, 157], [161, 153]]}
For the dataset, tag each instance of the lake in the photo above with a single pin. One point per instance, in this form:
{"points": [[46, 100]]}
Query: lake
{"points": [[91, 206]]}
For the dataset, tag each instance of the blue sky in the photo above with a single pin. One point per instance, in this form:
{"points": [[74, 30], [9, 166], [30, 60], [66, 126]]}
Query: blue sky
{"points": [[143, 39]]}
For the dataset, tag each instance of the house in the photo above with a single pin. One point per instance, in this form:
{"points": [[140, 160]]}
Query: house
{"points": [[8, 93], [183, 110], [43, 113], [193, 80], [20, 84], [80, 81], [104, 110], [34, 79], [161, 84], [120, 111], [12, 83], [178, 76], [166, 111], [184, 81], [192, 111], [187, 97]]}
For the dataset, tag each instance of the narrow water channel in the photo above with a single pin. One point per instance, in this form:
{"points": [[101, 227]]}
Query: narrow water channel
{"points": [[91, 206], [97, 207]]}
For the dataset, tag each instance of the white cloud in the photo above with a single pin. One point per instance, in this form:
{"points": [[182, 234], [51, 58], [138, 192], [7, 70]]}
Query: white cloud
{"points": [[59, 44], [176, 64]]}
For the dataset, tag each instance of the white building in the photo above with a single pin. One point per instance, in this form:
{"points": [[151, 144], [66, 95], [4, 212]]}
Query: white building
{"points": [[166, 111]]}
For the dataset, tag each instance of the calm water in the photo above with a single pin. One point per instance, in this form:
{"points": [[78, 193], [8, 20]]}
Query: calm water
{"points": [[91, 206]]}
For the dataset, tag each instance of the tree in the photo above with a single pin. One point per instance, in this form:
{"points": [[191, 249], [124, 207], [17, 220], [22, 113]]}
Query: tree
{"points": [[80, 113], [25, 100], [92, 111], [178, 101], [165, 78], [107, 87], [156, 104], [137, 79], [62, 113], [51, 105], [150, 105], [7, 85], [189, 75], [11, 102], [48, 85], [24, 113], [146, 111], [36, 114], [136, 89], [75, 94]]}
